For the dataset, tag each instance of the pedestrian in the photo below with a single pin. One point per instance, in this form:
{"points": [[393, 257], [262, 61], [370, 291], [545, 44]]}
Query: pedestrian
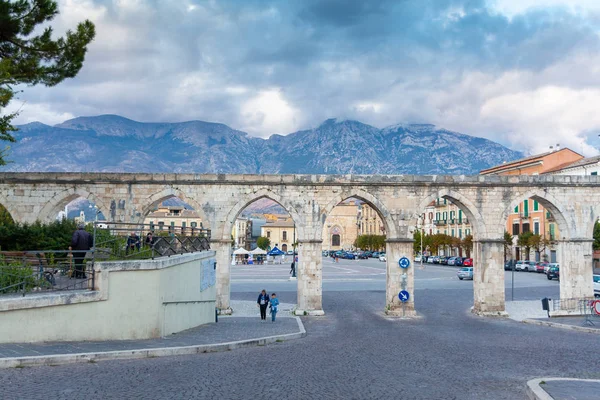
{"points": [[81, 242], [263, 302], [149, 239], [274, 306], [133, 243], [293, 269]]}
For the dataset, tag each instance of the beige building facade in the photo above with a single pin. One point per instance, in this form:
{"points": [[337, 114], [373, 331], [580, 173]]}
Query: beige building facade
{"points": [[281, 233], [169, 218], [342, 226]]}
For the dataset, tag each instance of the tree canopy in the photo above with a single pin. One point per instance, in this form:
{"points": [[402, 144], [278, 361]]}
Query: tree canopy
{"points": [[31, 59], [263, 242]]}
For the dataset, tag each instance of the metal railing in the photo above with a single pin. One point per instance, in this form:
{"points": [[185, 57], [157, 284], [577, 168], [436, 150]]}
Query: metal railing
{"points": [[578, 305], [22, 272], [34, 271]]}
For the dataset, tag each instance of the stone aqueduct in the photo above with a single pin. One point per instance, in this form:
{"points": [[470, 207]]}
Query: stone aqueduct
{"points": [[486, 200]]}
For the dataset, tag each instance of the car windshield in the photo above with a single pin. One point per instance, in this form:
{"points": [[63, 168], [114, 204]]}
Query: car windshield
{"points": [[464, 269]]}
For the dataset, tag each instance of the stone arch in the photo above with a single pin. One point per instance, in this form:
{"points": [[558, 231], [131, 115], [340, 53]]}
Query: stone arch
{"points": [[464, 203], [61, 199], [567, 228], [153, 200], [367, 197], [250, 198]]}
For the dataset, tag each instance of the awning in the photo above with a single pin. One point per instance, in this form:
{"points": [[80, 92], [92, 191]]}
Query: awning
{"points": [[241, 251]]}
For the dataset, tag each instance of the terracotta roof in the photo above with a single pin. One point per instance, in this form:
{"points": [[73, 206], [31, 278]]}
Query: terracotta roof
{"points": [[525, 160], [578, 163]]}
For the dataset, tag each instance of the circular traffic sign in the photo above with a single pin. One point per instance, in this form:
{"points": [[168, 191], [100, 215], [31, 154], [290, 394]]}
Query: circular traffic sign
{"points": [[404, 262], [596, 307], [403, 296]]}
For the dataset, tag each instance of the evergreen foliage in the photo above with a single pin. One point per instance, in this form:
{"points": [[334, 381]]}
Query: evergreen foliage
{"points": [[31, 59], [263, 242], [370, 242], [37, 236]]}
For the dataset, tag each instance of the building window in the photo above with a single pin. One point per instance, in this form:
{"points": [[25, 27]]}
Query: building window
{"points": [[161, 225], [437, 216], [467, 232], [594, 173], [335, 240], [430, 216], [460, 216], [445, 201], [552, 232], [536, 227], [172, 227], [516, 209], [515, 231], [452, 233], [268, 234], [182, 227], [536, 206], [284, 235], [284, 247], [460, 233], [193, 224], [525, 227], [151, 225], [526, 207]]}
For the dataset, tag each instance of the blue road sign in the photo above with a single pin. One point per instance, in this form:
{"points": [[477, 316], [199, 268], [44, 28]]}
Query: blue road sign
{"points": [[404, 262], [403, 296]]}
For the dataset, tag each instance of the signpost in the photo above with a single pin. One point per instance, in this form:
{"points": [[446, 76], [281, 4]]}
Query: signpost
{"points": [[403, 296], [404, 263]]}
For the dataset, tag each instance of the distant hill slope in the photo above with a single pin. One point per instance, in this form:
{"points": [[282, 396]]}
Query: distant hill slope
{"points": [[110, 143]]}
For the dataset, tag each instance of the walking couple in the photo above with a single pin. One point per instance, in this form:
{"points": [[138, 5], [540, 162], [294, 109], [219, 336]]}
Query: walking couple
{"points": [[263, 301]]}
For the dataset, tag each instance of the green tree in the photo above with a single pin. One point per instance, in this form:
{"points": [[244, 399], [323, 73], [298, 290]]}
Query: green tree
{"points": [[30, 59], [507, 241], [5, 217], [597, 236], [467, 245], [263, 242], [525, 241]]}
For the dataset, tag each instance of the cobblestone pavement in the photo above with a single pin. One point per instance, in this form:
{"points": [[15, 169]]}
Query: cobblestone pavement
{"points": [[353, 352], [572, 390], [228, 329]]}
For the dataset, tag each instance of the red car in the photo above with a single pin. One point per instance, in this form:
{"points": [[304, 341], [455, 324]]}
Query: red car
{"points": [[468, 262], [539, 267]]}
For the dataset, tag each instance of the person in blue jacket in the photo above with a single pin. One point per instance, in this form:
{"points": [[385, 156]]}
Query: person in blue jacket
{"points": [[263, 302], [274, 306]]}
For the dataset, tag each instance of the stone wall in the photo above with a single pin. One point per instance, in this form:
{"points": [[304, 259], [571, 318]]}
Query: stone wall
{"points": [[133, 300]]}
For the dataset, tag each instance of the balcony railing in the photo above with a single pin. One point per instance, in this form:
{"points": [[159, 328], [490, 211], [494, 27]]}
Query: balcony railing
{"points": [[440, 222]]}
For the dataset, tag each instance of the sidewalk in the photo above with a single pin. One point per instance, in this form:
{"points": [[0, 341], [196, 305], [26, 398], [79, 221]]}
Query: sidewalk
{"points": [[563, 389], [229, 333]]}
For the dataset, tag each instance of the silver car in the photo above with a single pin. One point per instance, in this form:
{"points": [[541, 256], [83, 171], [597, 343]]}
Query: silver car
{"points": [[465, 273]]}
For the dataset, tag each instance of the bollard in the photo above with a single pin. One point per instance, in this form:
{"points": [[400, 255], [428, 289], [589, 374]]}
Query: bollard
{"points": [[216, 314]]}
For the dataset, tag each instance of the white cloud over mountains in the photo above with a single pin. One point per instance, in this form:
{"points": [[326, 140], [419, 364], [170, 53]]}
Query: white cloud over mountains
{"points": [[524, 73]]}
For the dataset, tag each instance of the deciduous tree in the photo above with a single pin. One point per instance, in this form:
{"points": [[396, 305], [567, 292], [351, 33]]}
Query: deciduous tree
{"points": [[263, 242], [31, 59]]}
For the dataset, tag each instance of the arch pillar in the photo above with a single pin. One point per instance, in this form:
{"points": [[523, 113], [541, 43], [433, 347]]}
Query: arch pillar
{"points": [[310, 277], [488, 277], [576, 272], [223, 256], [395, 276]]}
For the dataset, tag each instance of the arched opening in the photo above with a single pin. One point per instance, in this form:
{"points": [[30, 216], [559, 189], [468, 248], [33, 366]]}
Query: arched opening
{"points": [[534, 232], [263, 245], [443, 233], [80, 209]]}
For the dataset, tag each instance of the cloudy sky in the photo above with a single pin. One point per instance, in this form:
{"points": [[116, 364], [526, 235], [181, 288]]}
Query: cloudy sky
{"points": [[525, 73]]}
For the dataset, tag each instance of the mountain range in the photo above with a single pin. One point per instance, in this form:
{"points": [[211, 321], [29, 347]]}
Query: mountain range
{"points": [[111, 143]]}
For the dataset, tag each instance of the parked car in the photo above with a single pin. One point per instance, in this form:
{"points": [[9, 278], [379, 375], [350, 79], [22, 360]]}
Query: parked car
{"points": [[375, 254], [521, 266], [362, 255], [417, 258], [531, 266], [458, 261], [465, 273], [382, 257], [430, 259], [349, 256], [468, 262], [508, 265], [436, 259], [553, 272], [540, 267], [444, 260], [550, 265], [369, 253], [596, 285]]}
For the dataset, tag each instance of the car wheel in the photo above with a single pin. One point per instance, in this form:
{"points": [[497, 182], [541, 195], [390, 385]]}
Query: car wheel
{"points": [[549, 277], [460, 278]]}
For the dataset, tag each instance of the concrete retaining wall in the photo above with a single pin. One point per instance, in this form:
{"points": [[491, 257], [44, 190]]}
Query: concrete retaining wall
{"points": [[133, 300]]}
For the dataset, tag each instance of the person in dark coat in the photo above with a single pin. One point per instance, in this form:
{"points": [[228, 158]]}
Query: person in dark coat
{"points": [[81, 242], [133, 243], [263, 302]]}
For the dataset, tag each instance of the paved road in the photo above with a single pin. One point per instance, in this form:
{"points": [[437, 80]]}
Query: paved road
{"points": [[354, 352]]}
